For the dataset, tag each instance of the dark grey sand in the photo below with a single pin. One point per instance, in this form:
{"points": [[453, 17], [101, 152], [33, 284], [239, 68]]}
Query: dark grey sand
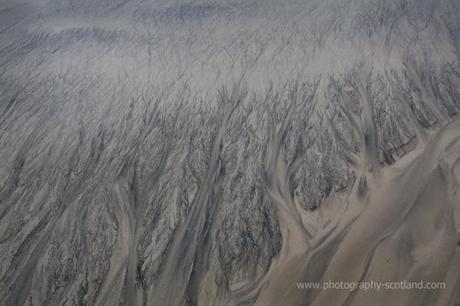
{"points": [[211, 153]]}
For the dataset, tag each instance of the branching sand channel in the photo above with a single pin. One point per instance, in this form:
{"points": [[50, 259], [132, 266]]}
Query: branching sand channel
{"points": [[198, 153]]}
